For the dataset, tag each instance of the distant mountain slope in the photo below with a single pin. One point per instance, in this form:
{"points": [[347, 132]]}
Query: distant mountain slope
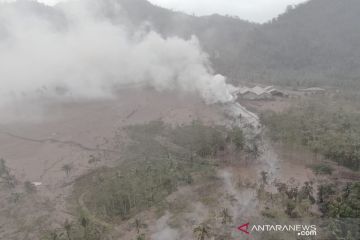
{"points": [[219, 35], [315, 43], [318, 41]]}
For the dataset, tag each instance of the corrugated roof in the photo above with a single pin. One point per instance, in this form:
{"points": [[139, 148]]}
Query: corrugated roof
{"points": [[269, 88], [244, 90], [256, 90]]}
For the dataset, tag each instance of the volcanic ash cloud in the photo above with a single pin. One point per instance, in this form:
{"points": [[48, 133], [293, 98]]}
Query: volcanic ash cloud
{"points": [[74, 50]]}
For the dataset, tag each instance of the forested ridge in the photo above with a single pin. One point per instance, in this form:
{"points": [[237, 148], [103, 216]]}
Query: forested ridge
{"points": [[313, 43]]}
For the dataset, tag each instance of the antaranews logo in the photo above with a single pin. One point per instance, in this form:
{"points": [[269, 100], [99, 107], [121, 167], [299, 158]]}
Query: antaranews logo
{"points": [[244, 228], [300, 230]]}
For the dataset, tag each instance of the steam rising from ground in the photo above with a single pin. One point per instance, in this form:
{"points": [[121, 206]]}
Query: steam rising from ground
{"points": [[75, 50], [163, 230], [245, 199]]}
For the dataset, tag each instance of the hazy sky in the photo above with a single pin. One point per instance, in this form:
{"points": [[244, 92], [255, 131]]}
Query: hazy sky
{"points": [[253, 10]]}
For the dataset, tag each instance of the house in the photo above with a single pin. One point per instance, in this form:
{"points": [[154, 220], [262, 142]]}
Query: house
{"points": [[262, 93], [278, 93], [250, 95], [259, 93], [255, 93]]}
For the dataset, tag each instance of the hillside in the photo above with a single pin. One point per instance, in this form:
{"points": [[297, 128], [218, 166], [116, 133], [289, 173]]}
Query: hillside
{"points": [[313, 43], [218, 35], [316, 42]]}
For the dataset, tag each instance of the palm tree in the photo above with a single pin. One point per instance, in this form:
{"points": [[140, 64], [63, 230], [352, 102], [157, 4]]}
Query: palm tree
{"points": [[67, 168], [202, 232], [54, 236], [6, 176], [67, 227], [29, 187], [264, 177], [138, 225], [226, 217], [93, 160], [3, 169], [140, 237], [84, 223]]}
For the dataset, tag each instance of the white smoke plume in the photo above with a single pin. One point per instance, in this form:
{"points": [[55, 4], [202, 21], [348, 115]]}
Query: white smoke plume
{"points": [[73, 50], [163, 230], [245, 198]]}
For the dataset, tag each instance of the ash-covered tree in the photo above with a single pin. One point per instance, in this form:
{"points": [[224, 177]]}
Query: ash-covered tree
{"points": [[67, 168], [226, 218], [202, 232], [5, 175]]}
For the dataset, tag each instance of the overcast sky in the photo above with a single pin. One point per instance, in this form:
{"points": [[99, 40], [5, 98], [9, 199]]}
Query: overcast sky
{"points": [[252, 10]]}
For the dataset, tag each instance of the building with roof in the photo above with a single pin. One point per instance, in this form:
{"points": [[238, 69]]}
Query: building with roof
{"points": [[259, 93]]}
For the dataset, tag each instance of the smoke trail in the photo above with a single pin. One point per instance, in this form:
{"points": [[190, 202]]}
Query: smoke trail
{"points": [[76, 50], [163, 231]]}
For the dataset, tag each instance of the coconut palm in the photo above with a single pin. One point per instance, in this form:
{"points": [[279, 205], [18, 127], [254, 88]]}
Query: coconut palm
{"points": [[67, 168], [6, 176], [264, 177], [3, 169], [226, 217], [138, 225], [84, 223], [67, 227], [93, 160], [202, 232], [140, 237], [54, 236]]}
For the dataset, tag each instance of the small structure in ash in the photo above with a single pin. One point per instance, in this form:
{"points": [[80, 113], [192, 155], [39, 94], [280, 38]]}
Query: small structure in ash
{"points": [[313, 90], [259, 93]]}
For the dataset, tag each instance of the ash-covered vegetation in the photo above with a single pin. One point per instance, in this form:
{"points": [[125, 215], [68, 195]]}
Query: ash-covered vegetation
{"points": [[159, 159], [6, 177], [338, 204], [160, 181], [328, 131], [323, 133]]}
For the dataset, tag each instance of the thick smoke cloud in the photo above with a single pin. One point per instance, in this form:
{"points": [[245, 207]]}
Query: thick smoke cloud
{"points": [[74, 50], [163, 231]]}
